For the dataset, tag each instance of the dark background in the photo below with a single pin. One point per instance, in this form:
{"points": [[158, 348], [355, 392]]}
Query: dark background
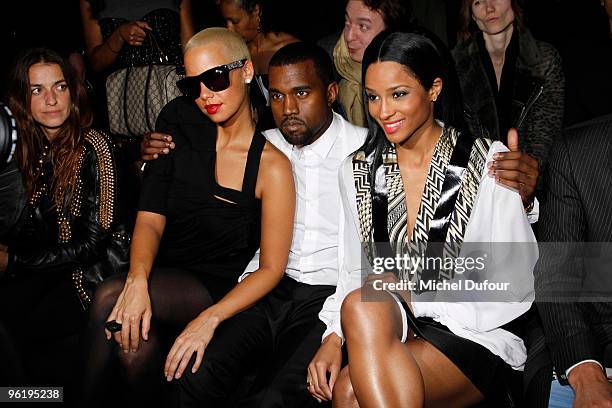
{"points": [[569, 25]]}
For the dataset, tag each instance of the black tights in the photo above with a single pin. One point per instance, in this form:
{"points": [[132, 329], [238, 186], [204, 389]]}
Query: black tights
{"points": [[177, 297]]}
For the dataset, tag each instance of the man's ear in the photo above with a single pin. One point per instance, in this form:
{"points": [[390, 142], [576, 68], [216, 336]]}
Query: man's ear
{"points": [[332, 93]]}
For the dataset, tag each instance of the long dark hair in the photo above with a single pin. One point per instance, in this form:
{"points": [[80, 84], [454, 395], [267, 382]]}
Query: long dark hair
{"points": [[427, 58], [67, 144]]}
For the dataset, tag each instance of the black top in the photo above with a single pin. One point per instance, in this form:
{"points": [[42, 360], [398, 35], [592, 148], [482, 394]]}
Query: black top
{"points": [[210, 229], [504, 94]]}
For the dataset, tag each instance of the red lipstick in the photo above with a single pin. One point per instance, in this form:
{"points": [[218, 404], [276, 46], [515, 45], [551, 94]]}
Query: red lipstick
{"points": [[212, 108]]}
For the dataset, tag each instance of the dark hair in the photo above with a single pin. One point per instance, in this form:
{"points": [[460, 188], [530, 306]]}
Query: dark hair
{"points": [[426, 58], [97, 6], [269, 20], [68, 143], [301, 51], [467, 26], [396, 14]]}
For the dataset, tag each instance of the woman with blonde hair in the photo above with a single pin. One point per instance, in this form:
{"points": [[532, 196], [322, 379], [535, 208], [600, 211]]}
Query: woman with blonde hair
{"points": [[204, 210]]}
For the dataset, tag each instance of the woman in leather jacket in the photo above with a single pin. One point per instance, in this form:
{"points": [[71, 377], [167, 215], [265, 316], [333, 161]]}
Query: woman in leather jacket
{"points": [[71, 233], [509, 79]]}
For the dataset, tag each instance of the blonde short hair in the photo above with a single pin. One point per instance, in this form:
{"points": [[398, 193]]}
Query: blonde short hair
{"points": [[232, 44]]}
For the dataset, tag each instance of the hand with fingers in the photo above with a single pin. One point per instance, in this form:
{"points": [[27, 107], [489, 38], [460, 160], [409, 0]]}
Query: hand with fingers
{"points": [[154, 144], [327, 360], [515, 169], [134, 32], [194, 339], [133, 312]]}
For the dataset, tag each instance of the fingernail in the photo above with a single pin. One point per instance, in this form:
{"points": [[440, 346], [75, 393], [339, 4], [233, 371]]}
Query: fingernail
{"points": [[166, 150], [133, 350], [155, 156], [497, 156], [169, 378], [491, 173]]}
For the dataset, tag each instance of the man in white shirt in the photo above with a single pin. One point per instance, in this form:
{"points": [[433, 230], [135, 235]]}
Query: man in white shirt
{"points": [[280, 335]]}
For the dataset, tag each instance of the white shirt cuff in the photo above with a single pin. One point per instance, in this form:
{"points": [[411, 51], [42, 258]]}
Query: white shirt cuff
{"points": [[567, 372]]}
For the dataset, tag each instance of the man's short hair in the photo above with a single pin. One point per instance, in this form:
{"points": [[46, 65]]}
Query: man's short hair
{"points": [[232, 44], [297, 52]]}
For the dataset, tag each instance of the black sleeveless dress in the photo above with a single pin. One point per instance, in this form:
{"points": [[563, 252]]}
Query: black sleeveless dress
{"points": [[210, 230]]}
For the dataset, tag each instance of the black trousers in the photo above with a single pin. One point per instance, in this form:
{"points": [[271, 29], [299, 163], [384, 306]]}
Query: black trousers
{"points": [[275, 339]]}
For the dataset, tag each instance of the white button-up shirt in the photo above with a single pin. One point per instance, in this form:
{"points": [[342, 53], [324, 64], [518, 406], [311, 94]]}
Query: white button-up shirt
{"points": [[313, 257]]}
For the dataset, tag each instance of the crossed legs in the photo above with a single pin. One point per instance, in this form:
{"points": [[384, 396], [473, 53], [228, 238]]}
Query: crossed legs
{"points": [[384, 372]]}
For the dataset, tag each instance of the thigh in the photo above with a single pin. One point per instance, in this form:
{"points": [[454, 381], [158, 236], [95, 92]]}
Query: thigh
{"points": [[237, 346], [445, 384], [177, 295]]}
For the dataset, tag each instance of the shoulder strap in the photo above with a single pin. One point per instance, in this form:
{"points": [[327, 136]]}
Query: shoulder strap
{"points": [[106, 168], [251, 169]]}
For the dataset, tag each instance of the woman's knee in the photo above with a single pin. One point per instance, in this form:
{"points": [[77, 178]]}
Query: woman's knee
{"points": [[343, 394], [362, 315], [106, 296]]}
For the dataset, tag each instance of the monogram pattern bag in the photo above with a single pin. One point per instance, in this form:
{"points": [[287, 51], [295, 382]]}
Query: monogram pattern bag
{"points": [[136, 95]]}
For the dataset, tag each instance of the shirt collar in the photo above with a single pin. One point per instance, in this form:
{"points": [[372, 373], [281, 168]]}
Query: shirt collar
{"points": [[323, 145]]}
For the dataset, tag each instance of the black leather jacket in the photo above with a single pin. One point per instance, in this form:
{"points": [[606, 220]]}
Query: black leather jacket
{"points": [[89, 235], [537, 96]]}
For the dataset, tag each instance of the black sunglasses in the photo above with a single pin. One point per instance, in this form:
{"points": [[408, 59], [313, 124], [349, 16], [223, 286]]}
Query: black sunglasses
{"points": [[216, 79]]}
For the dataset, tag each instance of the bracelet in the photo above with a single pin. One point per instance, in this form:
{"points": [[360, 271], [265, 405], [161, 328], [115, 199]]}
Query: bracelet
{"points": [[109, 47]]}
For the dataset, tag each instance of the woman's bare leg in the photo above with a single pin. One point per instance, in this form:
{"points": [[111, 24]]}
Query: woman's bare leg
{"points": [[343, 395], [386, 372]]}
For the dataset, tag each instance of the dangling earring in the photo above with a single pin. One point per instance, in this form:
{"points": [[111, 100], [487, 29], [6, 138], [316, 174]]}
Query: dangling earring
{"points": [[259, 28]]}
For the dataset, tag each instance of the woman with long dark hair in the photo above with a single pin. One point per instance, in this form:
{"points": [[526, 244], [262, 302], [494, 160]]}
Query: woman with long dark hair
{"points": [[510, 80], [72, 217], [419, 188]]}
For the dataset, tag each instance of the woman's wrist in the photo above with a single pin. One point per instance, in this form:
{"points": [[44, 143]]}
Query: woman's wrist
{"points": [[115, 42], [213, 315], [137, 275], [333, 339]]}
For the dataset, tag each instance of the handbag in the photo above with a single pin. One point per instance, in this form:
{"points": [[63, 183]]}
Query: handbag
{"points": [[136, 95], [115, 260]]}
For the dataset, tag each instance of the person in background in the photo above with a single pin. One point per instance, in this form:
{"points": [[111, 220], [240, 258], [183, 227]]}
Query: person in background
{"points": [[364, 19], [255, 22], [117, 33], [73, 214], [509, 80], [203, 212]]}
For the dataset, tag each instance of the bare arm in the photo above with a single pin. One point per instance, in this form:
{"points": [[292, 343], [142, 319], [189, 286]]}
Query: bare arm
{"points": [[187, 29], [103, 54], [145, 243], [133, 307]]}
